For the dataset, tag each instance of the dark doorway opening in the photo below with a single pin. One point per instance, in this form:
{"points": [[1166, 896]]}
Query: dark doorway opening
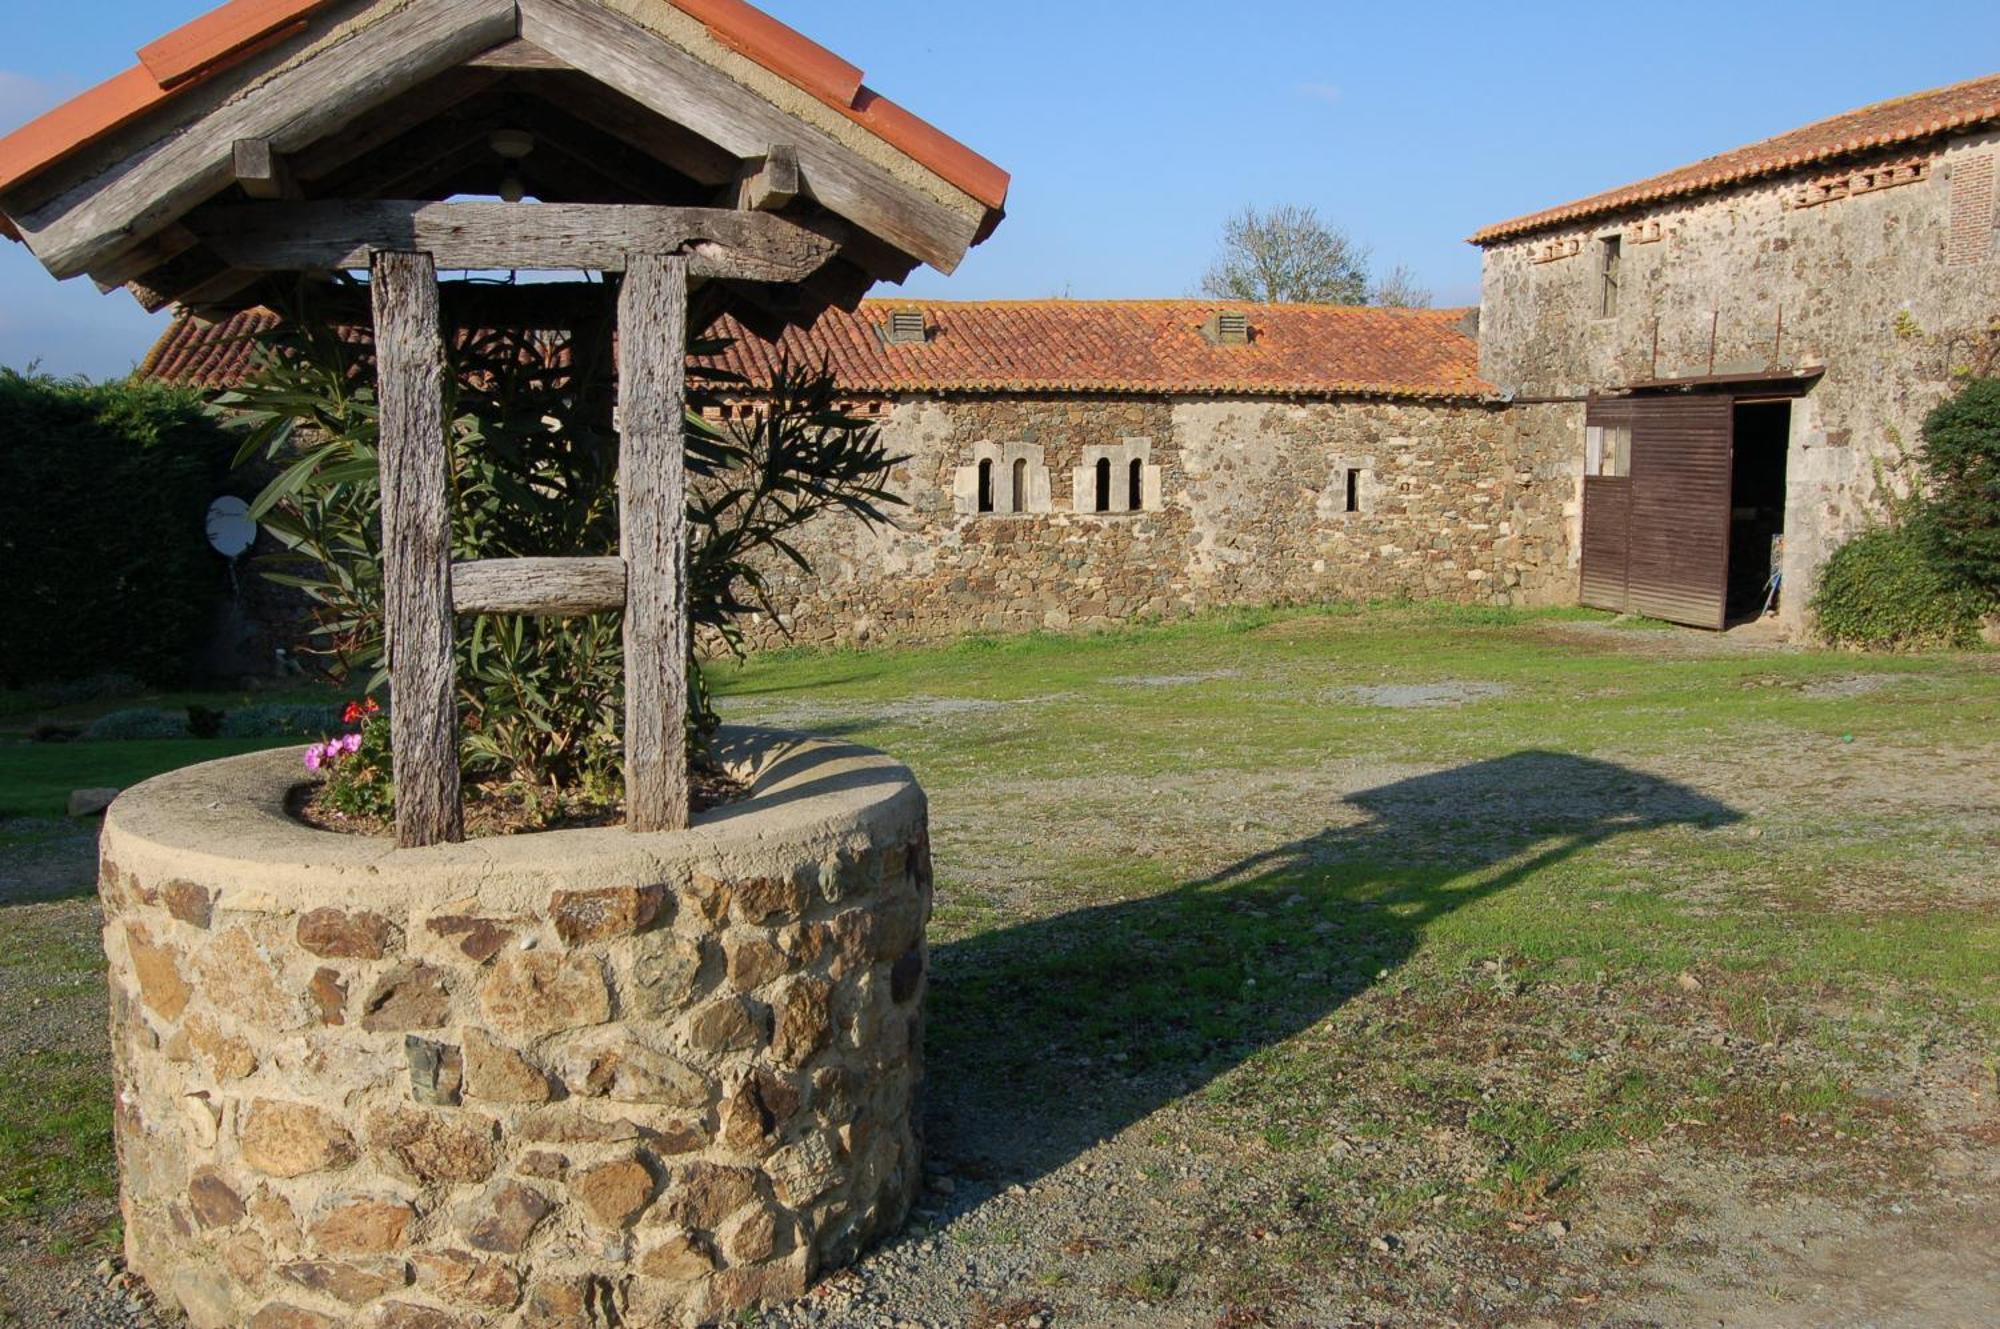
{"points": [[1756, 504]]}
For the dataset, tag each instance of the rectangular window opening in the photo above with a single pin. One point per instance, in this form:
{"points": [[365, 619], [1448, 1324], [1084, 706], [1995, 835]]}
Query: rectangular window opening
{"points": [[1353, 489], [1611, 256], [1615, 453]]}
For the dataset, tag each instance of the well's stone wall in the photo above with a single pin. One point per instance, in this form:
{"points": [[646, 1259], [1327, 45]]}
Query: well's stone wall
{"points": [[1457, 501], [1894, 291], [583, 1078]]}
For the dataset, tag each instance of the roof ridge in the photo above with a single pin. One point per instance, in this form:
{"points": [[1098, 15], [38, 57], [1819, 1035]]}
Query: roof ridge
{"points": [[1907, 118], [1154, 302], [1145, 348]]}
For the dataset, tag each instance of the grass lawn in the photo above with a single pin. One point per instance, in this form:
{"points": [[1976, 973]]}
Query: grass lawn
{"points": [[1421, 965], [1436, 927], [36, 778]]}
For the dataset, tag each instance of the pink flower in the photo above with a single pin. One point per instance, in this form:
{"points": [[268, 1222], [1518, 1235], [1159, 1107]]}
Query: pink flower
{"points": [[313, 755], [352, 743]]}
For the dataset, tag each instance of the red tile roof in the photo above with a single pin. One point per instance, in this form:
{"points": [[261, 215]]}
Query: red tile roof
{"points": [[1883, 125], [1039, 346], [197, 50]]}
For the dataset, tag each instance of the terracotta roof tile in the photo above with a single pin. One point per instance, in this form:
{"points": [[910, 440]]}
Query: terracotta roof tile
{"points": [[1041, 346], [1882, 125], [219, 35], [193, 52]]}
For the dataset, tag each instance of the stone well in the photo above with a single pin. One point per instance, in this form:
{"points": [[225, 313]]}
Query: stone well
{"points": [[578, 1078]]}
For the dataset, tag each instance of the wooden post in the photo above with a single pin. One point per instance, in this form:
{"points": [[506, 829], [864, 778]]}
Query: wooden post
{"points": [[416, 548], [652, 503]]}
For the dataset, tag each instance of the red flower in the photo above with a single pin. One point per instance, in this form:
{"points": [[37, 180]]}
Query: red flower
{"points": [[357, 711]]}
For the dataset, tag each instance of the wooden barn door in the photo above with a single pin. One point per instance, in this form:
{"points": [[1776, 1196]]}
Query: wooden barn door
{"points": [[1679, 553], [1607, 542], [1656, 508]]}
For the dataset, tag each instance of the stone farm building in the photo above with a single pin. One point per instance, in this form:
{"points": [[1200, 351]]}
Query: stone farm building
{"points": [[1077, 462], [1671, 390]]}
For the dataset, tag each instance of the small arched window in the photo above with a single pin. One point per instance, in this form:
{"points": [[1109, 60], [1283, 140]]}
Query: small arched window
{"points": [[1135, 486], [1103, 484], [986, 486], [1020, 484]]}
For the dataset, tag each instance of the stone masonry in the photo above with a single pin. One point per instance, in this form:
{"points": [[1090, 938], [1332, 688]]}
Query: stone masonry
{"points": [[1459, 501], [1880, 271], [586, 1082]]}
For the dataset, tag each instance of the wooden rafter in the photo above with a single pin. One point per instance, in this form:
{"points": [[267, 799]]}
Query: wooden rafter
{"points": [[100, 218], [676, 85]]}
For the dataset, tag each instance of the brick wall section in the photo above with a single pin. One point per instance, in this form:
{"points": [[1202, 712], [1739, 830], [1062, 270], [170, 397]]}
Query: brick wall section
{"points": [[1971, 239], [1868, 288], [1460, 502]]}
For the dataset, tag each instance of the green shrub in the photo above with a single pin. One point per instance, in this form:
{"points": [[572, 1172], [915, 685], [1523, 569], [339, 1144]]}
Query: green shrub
{"points": [[1885, 590], [1961, 457], [140, 722], [103, 556], [280, 720]]}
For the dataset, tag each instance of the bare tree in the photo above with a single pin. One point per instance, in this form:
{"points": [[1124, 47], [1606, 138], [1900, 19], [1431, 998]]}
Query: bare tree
{"points": [[1287, 255], [1399, 288]]}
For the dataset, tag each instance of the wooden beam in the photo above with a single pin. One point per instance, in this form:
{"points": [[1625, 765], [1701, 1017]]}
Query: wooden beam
{"points": [[547, 587], [551, 306], [740, 246], [617, 115], [674, 84], [416, 549], [218, 289], [119, 209], [516, 55], [159, 287], [133, 264], [652, 514], [431, 100], [768, 184], [261, 170]]}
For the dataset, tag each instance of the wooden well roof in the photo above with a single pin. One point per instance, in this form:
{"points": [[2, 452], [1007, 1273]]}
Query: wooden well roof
{"points": [[682, 103]]}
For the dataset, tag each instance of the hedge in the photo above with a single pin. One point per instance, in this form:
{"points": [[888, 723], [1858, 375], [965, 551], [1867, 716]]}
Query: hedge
{"points": [[104, 555]]}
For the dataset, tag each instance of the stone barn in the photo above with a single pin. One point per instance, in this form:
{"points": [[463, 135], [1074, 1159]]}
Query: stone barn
{"points": [[1746, 347], [1091, 462]]}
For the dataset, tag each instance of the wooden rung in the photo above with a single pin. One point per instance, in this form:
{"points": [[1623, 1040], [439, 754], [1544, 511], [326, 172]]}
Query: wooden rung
{"points": [[547, 587]]}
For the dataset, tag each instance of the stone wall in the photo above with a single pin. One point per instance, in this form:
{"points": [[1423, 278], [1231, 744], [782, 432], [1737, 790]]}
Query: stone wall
{"points": [[1890, 281], [583, 1078], [1457, 501]]}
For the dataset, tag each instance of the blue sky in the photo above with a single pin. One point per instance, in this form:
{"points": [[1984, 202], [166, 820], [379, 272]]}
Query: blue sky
{"points": [[1134, 129]]}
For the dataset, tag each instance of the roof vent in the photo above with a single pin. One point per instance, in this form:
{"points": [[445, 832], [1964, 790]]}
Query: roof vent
{"points": [[1227, 327], [906, 327]]}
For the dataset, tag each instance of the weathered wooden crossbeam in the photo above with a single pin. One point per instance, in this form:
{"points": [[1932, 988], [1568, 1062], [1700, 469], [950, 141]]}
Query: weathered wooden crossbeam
{"points": [[545, 587], [716, 242]]}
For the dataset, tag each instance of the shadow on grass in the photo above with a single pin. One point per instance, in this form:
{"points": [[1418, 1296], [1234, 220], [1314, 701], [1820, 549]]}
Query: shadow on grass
{"points": [[46, 858], [1047, 1037]]}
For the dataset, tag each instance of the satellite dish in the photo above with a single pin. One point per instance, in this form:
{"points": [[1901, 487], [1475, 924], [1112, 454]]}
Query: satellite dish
{"points": [[230, 529]]}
